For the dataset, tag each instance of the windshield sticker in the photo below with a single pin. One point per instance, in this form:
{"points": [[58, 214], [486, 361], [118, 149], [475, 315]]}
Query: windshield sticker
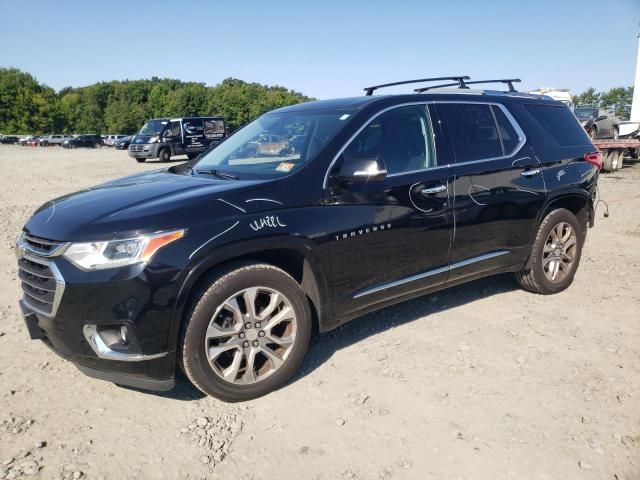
{"points": [[285, 167], [269, 221]]}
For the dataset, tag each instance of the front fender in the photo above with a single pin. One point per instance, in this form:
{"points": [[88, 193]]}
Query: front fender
{"points": [[245, 250]]}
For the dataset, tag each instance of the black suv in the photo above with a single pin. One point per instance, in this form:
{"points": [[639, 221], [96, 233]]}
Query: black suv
{"points": [[87, 141], [225, 264]]}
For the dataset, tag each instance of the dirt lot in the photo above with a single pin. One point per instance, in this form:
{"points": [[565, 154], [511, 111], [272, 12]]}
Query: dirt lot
{"points": [[483, 381]]}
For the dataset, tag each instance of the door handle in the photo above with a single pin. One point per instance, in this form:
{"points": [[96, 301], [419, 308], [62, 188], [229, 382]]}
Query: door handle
{"points": [[432, 190], [530, 173]]}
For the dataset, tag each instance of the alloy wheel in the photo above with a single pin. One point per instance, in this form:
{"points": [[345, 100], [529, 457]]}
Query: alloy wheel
{"points": [[250, 335], [559, 252]]}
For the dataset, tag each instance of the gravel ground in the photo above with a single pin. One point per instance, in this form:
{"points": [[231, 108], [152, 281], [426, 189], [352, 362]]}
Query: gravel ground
{"points": [[483, 381]]}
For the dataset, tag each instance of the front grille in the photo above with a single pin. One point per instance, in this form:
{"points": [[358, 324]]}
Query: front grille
{"points": [[137, 148], [41, 281], [40, 286], [40, 246]]}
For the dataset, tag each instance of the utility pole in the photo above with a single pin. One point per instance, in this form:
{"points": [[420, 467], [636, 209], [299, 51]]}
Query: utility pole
{"points": [[635, 103]]}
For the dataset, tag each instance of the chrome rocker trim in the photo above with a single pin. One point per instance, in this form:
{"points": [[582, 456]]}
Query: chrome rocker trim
{"points": [[429, 273]]}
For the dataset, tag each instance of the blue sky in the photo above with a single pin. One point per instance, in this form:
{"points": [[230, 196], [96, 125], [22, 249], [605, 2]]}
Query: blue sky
{"points": [[323, 48]]}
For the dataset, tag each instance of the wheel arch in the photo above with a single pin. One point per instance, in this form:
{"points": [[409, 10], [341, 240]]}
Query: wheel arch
{"points": [[294, 256], [577, 202]]}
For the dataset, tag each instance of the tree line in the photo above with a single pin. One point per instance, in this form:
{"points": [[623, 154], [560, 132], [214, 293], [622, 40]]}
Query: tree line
{"points": [[617, 99], [27, 106]]}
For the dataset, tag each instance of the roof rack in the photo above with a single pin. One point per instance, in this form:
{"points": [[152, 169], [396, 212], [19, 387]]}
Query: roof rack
{"points": [[460, 81], [508, 81]]}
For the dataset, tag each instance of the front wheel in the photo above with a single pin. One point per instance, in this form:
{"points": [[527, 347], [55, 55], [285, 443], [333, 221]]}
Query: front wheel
{"points": [[555, 254], [164, 155], [246, 332]]}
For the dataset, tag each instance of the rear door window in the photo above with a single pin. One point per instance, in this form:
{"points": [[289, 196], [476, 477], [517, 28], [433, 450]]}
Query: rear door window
{"points": [[560, 123], [472, 130], [214, 129], [508, 135]]}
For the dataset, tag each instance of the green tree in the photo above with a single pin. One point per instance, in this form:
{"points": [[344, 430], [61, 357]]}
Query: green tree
{"points": [[588, 98], [122, 106], [619, 100]]}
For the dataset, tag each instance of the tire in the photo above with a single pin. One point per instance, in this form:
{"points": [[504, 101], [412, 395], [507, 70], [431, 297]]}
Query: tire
{"points": [[140, 160], [535, 279], [44, 144], [210, 304], [73, 145], [593, 132], [164, 155], [610, 161], [620, 160]]}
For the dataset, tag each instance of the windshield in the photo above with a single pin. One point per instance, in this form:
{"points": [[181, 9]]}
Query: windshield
{"points": [[275, 144], [584, 113], [153, 127]]}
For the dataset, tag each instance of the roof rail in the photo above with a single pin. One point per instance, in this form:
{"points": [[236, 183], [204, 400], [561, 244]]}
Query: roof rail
{"points": [[508, 81], [460, 81]]}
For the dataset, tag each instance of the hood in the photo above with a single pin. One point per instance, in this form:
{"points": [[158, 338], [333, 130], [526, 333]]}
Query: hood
{"points": [[142, 139], [140, 203]]}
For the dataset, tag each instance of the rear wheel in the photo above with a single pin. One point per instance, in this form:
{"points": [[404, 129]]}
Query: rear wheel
{"points": [[164, 155], [555, 254], [246, 332], [611, 161], [620, 160]]}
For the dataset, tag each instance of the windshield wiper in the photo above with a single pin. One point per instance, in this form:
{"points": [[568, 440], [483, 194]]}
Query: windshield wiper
{"points": [[219, 174]]}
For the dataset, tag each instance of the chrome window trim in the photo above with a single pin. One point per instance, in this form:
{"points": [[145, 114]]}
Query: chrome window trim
{"points": [[429, 273], [60, 285], [365, 125], [521, 135]]}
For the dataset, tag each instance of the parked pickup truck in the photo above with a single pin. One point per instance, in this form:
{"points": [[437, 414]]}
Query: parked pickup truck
{"points": [[50, 140]]}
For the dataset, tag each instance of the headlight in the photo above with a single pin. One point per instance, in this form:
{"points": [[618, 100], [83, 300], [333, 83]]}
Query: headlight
{"points": [[118, 253], [153, 139]]}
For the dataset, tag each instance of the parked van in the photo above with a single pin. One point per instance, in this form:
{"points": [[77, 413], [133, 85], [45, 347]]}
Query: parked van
{"points": [[164, 138]]}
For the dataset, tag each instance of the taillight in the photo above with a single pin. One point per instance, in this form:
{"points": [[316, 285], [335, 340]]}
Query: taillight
{"points": [[594, 158]]}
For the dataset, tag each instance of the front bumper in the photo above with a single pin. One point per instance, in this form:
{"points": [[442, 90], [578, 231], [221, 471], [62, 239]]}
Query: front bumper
{"points": [[143, 150], [112, 325], [152, 373]]}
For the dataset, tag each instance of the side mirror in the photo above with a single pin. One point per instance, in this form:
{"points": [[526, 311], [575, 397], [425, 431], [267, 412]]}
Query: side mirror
{"points": [[361, 171]]}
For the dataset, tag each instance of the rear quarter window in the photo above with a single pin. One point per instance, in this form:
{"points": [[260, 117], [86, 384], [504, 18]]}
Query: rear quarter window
{"points": [[560, 124]]}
